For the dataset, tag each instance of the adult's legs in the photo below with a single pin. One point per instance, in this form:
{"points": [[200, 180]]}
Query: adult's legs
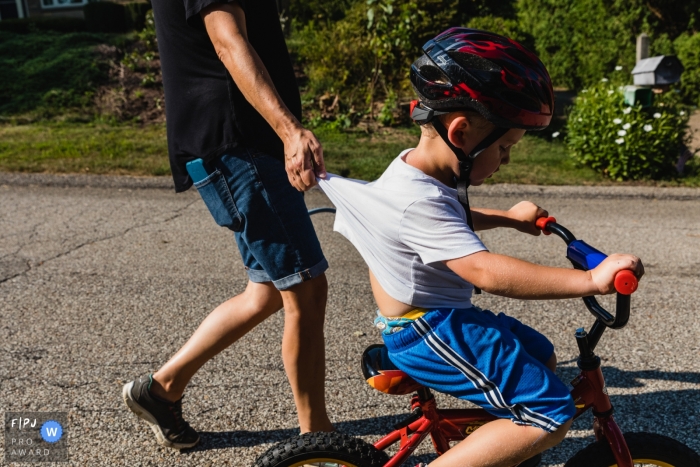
{"points": [[225, 325], [302, 344]]}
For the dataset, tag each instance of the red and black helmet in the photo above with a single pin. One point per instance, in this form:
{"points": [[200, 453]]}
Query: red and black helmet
{"points": [[499, 78]]}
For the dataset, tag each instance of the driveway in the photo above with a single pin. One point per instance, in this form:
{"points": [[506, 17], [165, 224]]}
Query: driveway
{"points": [[103, 278]]}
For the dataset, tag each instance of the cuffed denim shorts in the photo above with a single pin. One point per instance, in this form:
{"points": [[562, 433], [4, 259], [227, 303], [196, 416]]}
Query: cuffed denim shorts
{"points": [[494, 361], [248, 192]]}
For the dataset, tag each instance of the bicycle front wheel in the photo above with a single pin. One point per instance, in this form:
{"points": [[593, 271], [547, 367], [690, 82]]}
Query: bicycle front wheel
{"points": [[647, 450], [322, 450]]}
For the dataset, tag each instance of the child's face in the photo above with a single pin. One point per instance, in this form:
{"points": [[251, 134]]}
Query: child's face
{"points": [[488, 162]]}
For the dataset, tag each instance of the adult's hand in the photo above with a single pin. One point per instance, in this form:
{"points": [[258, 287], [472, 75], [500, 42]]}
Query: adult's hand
{"points": [[303, 159]]}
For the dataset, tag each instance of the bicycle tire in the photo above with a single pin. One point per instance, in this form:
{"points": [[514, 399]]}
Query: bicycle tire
{"points": [[647, 449], [323, 450]]}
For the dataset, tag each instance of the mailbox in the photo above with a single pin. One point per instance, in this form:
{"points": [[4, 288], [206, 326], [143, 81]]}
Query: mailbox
{"points": [[638, 95], [656, 71]]}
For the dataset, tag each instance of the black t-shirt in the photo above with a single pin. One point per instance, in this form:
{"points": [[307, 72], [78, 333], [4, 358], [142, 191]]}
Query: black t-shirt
{"points": [[206, 113]]}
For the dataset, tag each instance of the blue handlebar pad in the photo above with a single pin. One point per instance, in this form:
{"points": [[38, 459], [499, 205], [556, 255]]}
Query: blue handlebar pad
{"points": [[584, 255]]}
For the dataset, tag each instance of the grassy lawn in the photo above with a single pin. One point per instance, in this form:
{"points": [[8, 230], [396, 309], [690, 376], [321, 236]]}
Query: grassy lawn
{"points": [[135, 150], [84, 148]]}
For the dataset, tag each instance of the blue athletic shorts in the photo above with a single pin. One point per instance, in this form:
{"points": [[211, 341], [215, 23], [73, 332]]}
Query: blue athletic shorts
{"points": [[248, 192], [493, 361]]}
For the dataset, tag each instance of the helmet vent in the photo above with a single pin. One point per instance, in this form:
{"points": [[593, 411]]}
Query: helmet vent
{"points": [[474, 62], [430, 72], [433, 74]]}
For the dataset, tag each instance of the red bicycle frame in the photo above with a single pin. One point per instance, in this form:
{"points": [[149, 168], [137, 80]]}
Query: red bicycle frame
{"points": [[452, 425]]}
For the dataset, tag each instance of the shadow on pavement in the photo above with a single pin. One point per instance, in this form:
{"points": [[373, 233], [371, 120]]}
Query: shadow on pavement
{"points": [[663, 412]]}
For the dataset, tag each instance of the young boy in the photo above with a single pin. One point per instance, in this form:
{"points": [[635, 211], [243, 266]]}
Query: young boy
{"points": [[478, 93]]}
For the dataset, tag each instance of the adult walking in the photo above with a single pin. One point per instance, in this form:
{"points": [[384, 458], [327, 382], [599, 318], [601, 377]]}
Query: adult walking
{"points": [[232, 101]]}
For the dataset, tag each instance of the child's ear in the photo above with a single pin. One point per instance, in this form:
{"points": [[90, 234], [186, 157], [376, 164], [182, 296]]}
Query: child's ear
{"points": [[458, 130]]}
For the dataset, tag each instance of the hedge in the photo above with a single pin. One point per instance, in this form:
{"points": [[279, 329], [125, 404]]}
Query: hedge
{"points": [[109, 17], [27, 25]]}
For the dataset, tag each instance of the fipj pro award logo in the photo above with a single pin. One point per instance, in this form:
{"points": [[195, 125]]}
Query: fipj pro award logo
{"points": [[36, 437]]}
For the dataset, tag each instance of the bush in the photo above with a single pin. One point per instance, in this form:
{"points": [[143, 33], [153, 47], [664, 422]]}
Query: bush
{"points": [[365, 57], [688, 50], [27, 25], [504, 26], [626, 143], [112, 17], [581, 40], [135, 15], [105, 17], [48, 72]]}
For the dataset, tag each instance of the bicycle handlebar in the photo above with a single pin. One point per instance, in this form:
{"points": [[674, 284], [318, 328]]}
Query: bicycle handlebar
{"points": [[585, 257]]}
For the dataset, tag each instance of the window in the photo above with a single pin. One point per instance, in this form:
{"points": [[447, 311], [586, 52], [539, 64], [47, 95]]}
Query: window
{"points": [[62, 3], [11, 9]]}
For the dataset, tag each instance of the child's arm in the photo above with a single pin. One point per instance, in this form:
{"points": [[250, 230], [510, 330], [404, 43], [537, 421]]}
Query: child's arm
{"points": [[511, 277], [521, 217]]}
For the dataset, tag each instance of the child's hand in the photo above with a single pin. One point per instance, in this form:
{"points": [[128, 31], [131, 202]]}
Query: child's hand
{"points": [[603, 275], [524, 214]]}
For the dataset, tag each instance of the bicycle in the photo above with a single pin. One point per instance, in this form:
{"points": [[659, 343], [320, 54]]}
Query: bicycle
{"points": [[445, 426]]}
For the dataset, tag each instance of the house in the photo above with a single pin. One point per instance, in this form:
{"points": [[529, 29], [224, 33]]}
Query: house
{"points": [[11, 9]]}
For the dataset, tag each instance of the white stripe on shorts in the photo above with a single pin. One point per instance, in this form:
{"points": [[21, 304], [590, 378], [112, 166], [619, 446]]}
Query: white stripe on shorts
{"points": [[479, 380]]}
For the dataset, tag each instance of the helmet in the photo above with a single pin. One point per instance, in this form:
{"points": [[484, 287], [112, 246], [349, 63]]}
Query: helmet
{"points": [[469, 69]]}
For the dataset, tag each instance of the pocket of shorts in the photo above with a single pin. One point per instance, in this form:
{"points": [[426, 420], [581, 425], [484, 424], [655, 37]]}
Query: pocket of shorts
{"points": [[217, 196]]}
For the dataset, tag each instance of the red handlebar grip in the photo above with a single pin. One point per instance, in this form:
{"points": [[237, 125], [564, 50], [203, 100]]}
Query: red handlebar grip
{"points": [[542, 222], [626, 282]]}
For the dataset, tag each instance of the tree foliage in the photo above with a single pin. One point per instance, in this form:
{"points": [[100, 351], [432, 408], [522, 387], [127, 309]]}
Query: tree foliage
{"points": [[581, 40]]}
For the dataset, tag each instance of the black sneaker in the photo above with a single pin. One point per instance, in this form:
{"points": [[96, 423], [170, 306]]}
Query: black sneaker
{"points": [[531, 462], [164, 417]]}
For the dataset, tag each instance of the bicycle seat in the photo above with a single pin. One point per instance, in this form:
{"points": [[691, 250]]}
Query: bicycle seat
{"points": [[382, 374]]}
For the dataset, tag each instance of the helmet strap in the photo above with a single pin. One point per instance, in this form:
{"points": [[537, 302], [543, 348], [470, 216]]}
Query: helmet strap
{"points": [[466, 163]]}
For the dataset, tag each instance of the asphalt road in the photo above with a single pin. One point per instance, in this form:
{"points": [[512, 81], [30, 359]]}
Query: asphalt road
{"points": [[102, 279]]}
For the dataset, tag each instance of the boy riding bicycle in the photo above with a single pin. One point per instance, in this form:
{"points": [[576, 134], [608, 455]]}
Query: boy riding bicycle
{"points": [[478, 94]]}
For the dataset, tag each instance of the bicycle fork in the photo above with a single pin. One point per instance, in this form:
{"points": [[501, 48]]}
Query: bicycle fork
{"points": [[589, 392]]}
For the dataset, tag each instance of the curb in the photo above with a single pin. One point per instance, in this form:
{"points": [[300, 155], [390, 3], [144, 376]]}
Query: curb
{"points": [[589, 192], [166, 182], [85, 180]]}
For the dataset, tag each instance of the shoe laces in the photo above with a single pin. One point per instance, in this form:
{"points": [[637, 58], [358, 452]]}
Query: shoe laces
{"points": [[176, 411]]}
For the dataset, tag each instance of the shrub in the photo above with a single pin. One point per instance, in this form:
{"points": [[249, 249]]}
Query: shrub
{"points": [[626, 143], [504, 26], [135, 15], [48, 72], [365, 57], [27, 25], [581, 40], [688, 50]]}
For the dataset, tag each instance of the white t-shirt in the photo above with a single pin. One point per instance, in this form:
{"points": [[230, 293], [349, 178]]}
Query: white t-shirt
{"points": [[404, 225]]}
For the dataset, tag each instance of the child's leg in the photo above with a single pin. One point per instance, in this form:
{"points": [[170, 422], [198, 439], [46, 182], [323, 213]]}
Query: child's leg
{"points": [[497, 363], [501, 443]]}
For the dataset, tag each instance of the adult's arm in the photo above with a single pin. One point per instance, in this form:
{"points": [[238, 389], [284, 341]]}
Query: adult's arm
{"points": [[225, 24]]}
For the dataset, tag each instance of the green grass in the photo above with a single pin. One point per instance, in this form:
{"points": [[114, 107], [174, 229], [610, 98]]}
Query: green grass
{"points": [[84, 148], [135, 150], [533, 161], [538, 162]]}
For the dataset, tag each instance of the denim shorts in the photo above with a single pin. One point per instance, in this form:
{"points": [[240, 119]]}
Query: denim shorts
{"points": [[248, 192], [494, 361]]}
